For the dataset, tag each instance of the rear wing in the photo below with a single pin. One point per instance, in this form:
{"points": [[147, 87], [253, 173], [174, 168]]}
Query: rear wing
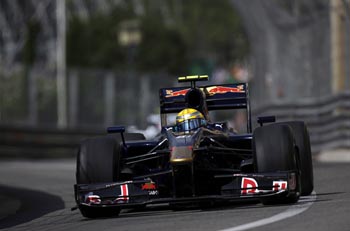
{"points": [[218, 97]]}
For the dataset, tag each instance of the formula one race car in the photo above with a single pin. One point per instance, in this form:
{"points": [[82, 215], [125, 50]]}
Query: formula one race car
{"points": [[195, 160]]}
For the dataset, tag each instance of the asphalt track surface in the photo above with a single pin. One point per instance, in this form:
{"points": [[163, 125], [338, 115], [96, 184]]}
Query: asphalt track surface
{"points": [[39, 195]]}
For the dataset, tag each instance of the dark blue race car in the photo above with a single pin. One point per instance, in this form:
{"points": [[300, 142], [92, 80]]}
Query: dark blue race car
{"points": [[195, 160]]}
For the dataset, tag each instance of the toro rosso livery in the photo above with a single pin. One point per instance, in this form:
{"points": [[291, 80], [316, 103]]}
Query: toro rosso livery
{"points": [[195, 160]]}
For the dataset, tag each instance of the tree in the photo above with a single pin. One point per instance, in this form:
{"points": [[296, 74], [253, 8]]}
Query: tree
{"points": [[175, 34]]}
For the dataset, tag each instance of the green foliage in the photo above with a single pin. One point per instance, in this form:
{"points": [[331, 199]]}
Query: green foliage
{"points": [[93, 43], [213, 30], [198, 31], [161, 48]]}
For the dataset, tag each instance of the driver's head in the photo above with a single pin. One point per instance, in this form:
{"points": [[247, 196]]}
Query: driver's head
{"points": [[189, 119]]}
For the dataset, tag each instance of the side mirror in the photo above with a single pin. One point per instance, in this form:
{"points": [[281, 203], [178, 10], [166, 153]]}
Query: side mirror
{"points": [[266, 119], [118, 129]]}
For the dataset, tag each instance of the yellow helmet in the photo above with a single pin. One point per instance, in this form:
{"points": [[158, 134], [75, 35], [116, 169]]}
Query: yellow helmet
{"points": [[189, 119]]}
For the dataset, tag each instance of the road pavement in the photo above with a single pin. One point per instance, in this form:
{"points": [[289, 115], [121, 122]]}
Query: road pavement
{"points": [[49, 184]]}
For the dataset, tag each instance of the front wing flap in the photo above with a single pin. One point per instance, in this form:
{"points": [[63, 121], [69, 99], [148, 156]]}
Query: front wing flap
{"points": [[143, 192]]}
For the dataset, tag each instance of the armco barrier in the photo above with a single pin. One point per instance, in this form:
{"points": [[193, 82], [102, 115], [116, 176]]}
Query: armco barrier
{"points": [[328, 121], [327, 118], [25, 142]]}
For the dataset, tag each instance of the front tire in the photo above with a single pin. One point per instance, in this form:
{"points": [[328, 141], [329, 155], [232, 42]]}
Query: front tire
{"points": [[274, 150], [98, 161], [302, 141], [96, 164]]}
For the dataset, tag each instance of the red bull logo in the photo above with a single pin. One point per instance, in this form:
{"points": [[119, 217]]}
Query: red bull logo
{"points": [[222, 90], [171, 93], [279, 185], [213, 90], [149, 186], [249, 186]]}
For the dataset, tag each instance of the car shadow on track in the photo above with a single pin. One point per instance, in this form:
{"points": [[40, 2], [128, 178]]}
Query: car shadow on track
{"points": [[33, 204]]}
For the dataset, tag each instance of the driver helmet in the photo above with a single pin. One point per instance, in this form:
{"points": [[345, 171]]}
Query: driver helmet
{"points": [[189, 119]]}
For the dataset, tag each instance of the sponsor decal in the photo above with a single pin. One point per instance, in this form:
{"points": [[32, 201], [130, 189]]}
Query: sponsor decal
{"points": [[249, 186], [171, 93], [124, 193], [93, 199], [149, 186], [153, 192], [279, 185], [222, 90], [211, 90]]}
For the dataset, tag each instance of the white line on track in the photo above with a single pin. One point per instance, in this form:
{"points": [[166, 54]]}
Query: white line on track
{"points": [[303, 204]]}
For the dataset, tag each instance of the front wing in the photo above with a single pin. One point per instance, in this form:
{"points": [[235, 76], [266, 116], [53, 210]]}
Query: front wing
{"points": [[143, 192]]}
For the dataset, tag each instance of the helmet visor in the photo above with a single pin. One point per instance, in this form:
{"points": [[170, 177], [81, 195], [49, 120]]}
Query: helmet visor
{"points": [[189, 125]]}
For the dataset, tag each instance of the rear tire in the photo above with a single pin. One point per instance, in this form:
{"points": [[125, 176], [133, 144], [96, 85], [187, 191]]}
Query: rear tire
{"points": [[274, 150], [302, 140]]}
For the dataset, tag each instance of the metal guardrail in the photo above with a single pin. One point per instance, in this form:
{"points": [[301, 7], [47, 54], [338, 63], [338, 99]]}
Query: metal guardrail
{"points": [[328, 121], [327, 118], [26, 142]]}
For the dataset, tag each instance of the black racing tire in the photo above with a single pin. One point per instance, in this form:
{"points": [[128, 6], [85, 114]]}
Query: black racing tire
{"points": [[96, 164], [302, 140], [273, 151], [98, 161]]}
